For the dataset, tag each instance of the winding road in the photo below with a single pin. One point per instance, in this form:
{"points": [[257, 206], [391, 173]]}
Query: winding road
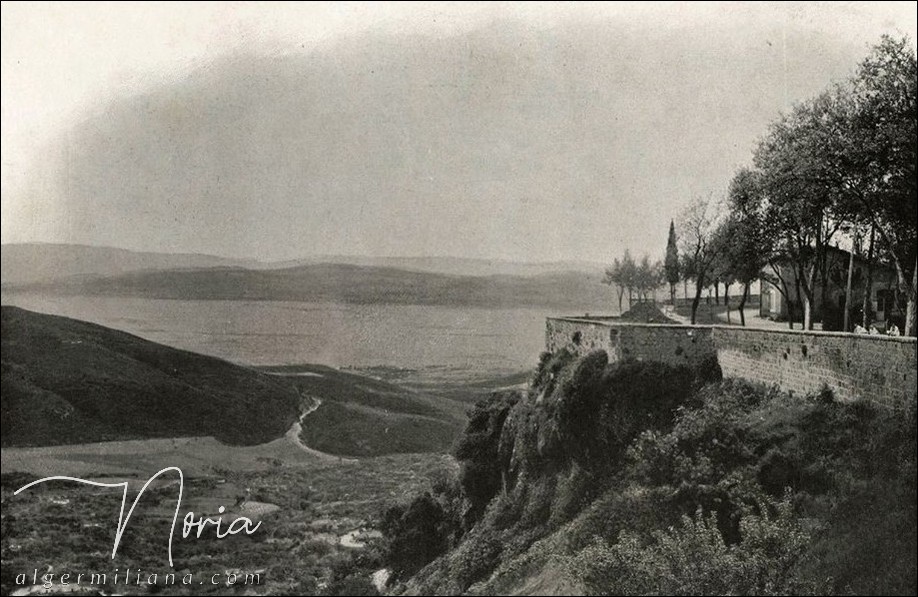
{"points": [[293, 435]]}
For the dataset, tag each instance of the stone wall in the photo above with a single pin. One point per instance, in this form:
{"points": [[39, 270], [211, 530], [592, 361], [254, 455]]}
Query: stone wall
{"points": [[879, 368], [670, 343]]}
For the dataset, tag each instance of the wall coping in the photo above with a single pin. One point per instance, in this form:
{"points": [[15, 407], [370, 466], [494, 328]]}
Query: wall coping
{"points": [[613, 322]]}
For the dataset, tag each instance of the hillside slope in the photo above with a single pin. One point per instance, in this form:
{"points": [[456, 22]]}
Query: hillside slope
{"points": [[364, 416], [68, 381], [636, 478]]}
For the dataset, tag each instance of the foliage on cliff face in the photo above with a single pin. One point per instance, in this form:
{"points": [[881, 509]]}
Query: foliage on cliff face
{"points": [[531, 461], [643, 478], [693, 558]]}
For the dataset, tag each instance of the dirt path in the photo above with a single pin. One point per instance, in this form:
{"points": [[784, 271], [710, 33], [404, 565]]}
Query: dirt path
{"points": [[293, 435], [753, 320], [671, 313]]}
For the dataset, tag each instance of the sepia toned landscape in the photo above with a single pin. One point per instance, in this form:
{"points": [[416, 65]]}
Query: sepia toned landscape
{"points": [[459, 299]]}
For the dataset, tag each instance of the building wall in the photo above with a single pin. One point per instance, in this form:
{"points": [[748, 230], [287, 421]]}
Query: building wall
{"points": [[880, 368]]}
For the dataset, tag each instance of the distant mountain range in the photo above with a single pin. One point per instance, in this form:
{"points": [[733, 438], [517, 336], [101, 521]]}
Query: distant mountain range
{"points": [[27, 263], [457, 266], [97, 271], [23, 263]]}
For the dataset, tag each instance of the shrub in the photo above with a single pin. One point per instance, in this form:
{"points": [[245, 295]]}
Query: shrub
{"points": [[416, 534], [477, 450], [355, 584], [694, 559], [475, 559]]}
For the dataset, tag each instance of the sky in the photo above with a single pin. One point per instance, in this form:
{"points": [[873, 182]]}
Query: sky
{"points": [[524, 132]]}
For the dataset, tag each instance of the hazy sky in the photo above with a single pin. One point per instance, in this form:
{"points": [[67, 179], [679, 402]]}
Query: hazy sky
{"points": [[530, 132]]}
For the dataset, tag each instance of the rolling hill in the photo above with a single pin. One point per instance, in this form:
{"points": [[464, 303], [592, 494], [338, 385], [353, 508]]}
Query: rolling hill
{"points": [[365, 416], [68, 381], [342, 283]]}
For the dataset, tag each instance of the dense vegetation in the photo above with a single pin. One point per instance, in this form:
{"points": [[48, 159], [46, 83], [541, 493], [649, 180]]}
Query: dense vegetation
{"points": [[640, 478], [297, 550], [68, 381]]}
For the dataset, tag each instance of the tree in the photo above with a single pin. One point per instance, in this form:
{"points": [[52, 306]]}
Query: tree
{"points": [[614, 278], [749, 249], [686, 267], [623, 274], [721, 269], [697, 227], [671, 265], [845, 162], [416, 535], [801, 188], [647, 277], [629, 275], [882, 150]]}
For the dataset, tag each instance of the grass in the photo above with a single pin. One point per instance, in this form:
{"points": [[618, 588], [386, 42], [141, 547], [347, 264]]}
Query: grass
{"points": [[353, 430], [334, 385], [370, 416]]}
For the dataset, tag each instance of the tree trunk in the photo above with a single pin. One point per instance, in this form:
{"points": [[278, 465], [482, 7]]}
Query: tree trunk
{"points": [[807, 313], [807, 306], [696, 300], [800, 296], [672, 294], [785, 292], [867, 305], [846, 326], [742, 305], [824, 287], [727, 299], [716, 292], [809, 299], [805, 282], [911, 317]]}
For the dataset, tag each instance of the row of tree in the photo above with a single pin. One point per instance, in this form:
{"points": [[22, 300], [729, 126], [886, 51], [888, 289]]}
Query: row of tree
{"points": [[707, 262], [639, 279], [838, 167]]}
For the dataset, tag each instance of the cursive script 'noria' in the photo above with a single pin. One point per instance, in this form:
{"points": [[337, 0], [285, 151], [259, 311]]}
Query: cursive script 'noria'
{"points": [[238, 525]]}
